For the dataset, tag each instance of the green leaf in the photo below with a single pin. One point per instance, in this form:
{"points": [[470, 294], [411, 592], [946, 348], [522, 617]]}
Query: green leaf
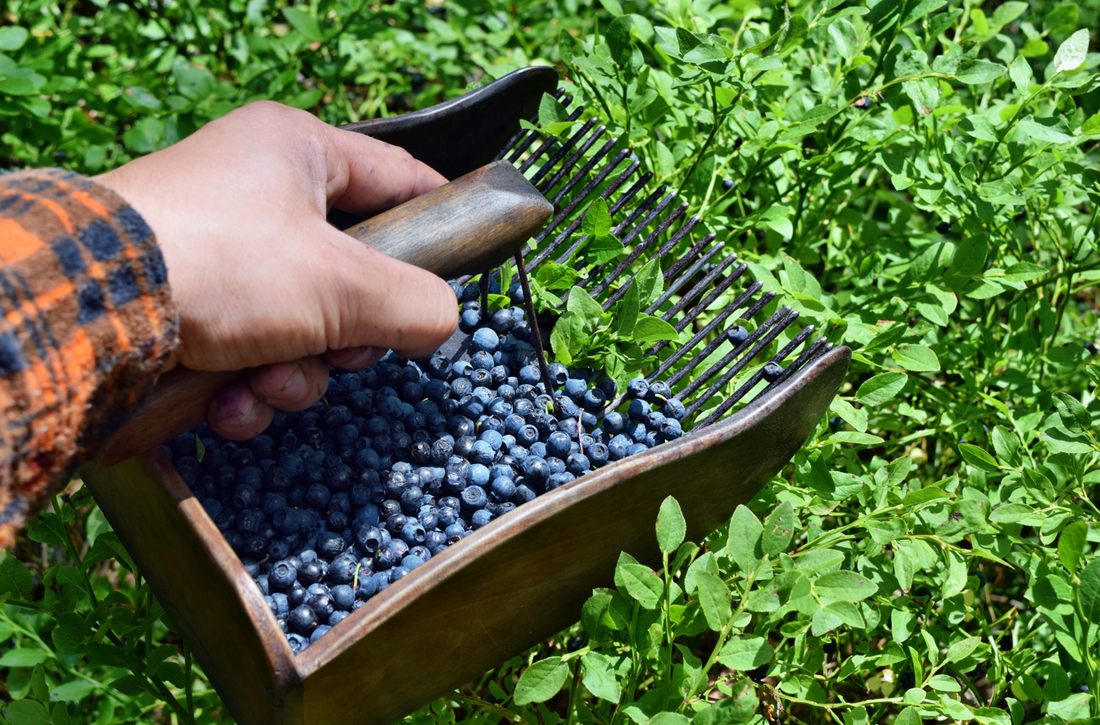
{"points": [[1071, 53], [978, 458], [962, 649], [1071, 545], [974, 72], [714, 599], [844, 586], [650, 282], [68, 640], [651, 329], [557, 276], [1020, 73], [744, 543], [580, 303], [599, 677], [1023, 271], [1088, 593], [668, 718], [671, 527], [1048, 130], [541, 681], [626, 312], [23, 657], [638, 582], [843, 34], [619, 40], [195, 83], [597, 221], [26, 712], [73, 691], [908, 716], [881, 388], [304, 23], [779, 529], [1072, 414], [918, 358], [745, 653], [12, 38]]}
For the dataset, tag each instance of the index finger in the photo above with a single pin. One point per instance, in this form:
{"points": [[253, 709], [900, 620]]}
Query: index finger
{"points": [[366, 176]]}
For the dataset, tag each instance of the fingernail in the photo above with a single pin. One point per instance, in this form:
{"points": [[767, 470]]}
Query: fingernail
{"points": [[295, 386], [353, 358], [234, 405]]}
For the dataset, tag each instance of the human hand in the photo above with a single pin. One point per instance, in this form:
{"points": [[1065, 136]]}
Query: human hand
{"points": [[260, 279]]}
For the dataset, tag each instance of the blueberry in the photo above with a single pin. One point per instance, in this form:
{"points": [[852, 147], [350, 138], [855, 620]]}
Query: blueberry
{"points": [[618, 446], [670, 429], [343, 596], [943, 227], [578, 464], [559, 374], [772, 372], [330, 545], [296, 641], [1090, 347], [282, 576], [480, 518], [302, 619], [637, 388], [598, 454], [321, 631], [594, 400], [659, 392], [982, 581], [727, 184], [737, 335], [575, 388], [474, 498], [557, 445], [639, 410]]}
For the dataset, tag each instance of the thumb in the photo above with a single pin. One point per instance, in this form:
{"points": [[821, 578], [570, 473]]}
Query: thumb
{"points": [[372, 299]]}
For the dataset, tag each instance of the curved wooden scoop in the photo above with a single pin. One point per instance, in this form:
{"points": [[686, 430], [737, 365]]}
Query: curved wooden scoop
{"points": [[468, 225]]}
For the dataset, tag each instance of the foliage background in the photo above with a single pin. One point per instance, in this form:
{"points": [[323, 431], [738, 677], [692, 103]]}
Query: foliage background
{"points": [[941, 562]]}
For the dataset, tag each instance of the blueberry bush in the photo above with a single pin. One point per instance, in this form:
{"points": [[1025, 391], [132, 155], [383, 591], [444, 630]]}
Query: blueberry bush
{"points": [[918, 177]]}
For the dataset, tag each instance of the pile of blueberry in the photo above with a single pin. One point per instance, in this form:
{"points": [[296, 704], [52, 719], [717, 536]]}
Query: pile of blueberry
{"points": [[332, 505]]}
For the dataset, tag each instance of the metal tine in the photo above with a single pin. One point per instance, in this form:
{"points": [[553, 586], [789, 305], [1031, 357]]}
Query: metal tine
{"points": [[699, 308], [638, 211], [672, 242], [751, 290], [774, 325], [572, 161], [728, 357], [587, 168], [548, 143], [815, 350], [563, 149], [757, 306], [801, 360], [639, 248], [534, 134], [679, 281], [572, 206], [742, 300], [579, 219], [589, 188], [576, 201]]}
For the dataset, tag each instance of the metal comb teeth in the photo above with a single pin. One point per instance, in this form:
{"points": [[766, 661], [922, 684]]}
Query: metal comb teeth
{"points": [[574, 171]]}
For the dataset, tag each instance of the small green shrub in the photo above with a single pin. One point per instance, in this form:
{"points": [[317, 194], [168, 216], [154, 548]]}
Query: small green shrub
{"points": [[918, 177]]}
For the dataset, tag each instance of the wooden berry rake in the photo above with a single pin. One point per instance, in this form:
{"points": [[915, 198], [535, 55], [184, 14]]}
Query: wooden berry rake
{"points": [[525, 576]]}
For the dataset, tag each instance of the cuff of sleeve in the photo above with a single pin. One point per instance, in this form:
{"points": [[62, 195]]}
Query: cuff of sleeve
{"points": [[87, 325]]}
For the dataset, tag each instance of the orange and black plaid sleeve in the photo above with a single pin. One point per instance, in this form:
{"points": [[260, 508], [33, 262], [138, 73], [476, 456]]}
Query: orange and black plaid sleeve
{"points": [[87, 324]]}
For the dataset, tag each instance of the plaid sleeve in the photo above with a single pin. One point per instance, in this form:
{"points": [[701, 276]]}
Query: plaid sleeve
{"points": [[87, 324]]}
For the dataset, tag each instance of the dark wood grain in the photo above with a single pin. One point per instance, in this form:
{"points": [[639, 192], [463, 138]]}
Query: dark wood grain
{"points": [[467, 225], [201, 583], [511, 584]]}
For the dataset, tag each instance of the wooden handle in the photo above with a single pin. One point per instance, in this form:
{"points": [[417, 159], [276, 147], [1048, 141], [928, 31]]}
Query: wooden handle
{"points": [[468, 225]]}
